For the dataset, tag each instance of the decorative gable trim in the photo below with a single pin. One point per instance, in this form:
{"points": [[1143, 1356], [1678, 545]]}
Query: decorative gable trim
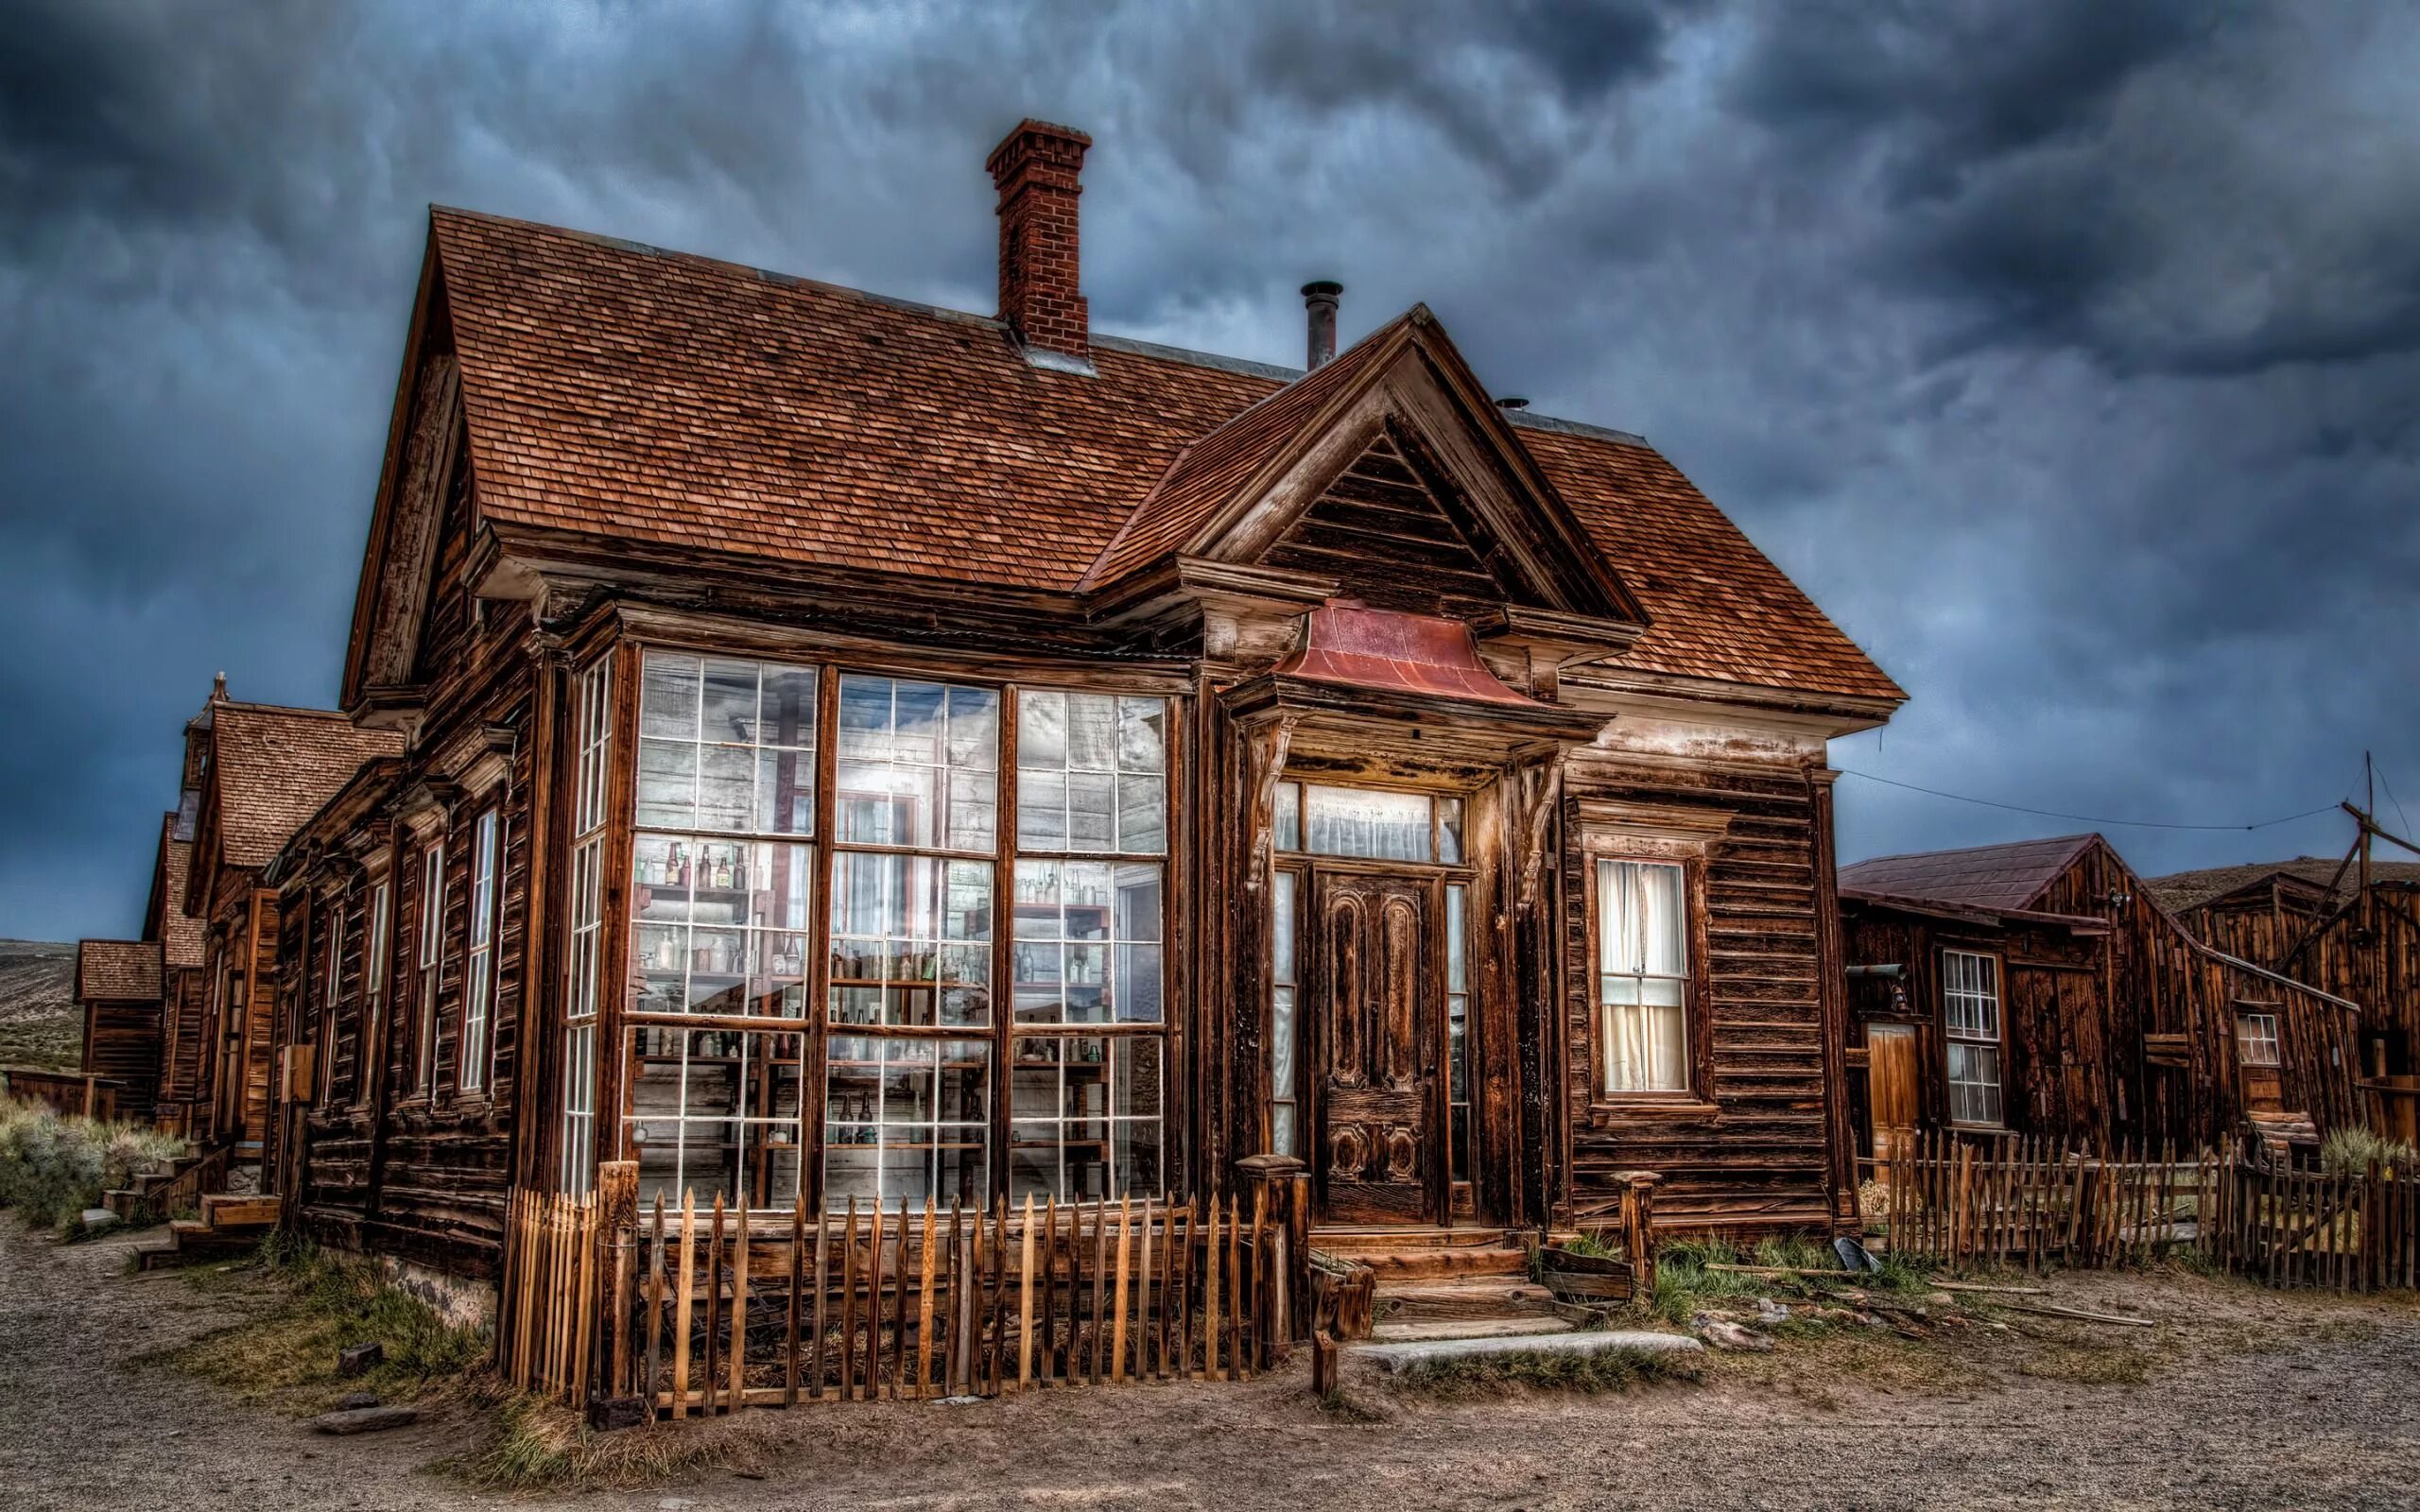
{"points": [[1238, 492]]}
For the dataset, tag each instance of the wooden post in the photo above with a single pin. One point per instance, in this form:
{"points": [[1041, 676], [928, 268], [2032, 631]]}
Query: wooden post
{"points": [[849, 1303], [925, 1308], [710, 1378], [738, 1394], [617, 1203], [654, 1306], [1025, 1298], [790, 1323], [823, 1319], [1638, 1230], [1125, 1262], [682, 1303]]}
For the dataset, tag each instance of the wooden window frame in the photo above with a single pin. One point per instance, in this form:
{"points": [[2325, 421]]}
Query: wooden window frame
{"points": [[370, 1048], [324, 1026], [2245, 1016], [429, 963], [586, 933], [1161, 1031], [1617, 829], [475, 1043], [1997, 1043]]}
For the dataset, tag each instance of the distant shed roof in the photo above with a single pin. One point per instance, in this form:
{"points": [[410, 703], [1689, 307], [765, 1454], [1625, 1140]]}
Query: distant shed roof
{"points": [[117, 971], [2009, 876], [2181, 890]]}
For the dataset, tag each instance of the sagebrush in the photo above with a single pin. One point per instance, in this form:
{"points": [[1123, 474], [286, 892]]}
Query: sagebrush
{"points": [[53, 1167]]}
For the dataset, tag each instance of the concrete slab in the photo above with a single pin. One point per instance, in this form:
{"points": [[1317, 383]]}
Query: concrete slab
{"points": [[1466, 1328], [1392, 1357]]}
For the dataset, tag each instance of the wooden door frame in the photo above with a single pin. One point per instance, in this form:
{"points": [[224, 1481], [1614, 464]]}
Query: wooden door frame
{"points": [[1314, 1014]]}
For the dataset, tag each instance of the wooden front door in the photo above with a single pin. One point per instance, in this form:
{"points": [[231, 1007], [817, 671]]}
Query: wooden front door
{"points": [[1376, 1041], [1890, 1082]]}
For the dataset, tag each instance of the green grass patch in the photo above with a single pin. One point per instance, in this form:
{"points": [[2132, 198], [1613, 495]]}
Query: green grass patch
{"points": [[1686, 1283], [1593, 1373], [52, 1167], [543, 1446], [285, 1358]]}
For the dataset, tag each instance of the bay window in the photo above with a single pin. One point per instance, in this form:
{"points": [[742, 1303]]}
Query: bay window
{"points": [[1641, 922], [722, 888], [593, 731], [1970, 1020], [1087, 959], [907, 1063], [937, 1010]]}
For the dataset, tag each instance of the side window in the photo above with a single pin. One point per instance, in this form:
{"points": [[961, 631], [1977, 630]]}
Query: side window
{"points": [[432, 937], [1642, 977], [478, 969], [1970, 1022], [2255, 1038]]}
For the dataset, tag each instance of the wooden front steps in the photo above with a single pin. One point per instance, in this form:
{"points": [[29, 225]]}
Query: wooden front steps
{"points": [[1446, 1284], [230, 1224]]}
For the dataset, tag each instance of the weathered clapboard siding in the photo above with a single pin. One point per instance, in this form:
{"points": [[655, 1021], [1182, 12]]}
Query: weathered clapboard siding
{"points": [[122, 1042], [2365, 948], [2118, 1024], [1753, 1154]]}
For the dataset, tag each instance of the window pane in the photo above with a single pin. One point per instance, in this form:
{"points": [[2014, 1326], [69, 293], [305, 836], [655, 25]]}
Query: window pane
{"points": [[907, 934], [1364, 823], [1084, 1117], [668, 696], [1142, 736], [916, 764], [1086, 947], [1289, 817], [1449, 830]]}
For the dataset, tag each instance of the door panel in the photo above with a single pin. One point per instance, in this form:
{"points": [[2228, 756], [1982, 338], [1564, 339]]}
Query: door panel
{"points": [[1890, 1082], [1373, 1014]]}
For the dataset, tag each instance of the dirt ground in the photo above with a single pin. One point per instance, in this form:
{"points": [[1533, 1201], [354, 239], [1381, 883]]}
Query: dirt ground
{"points": [[2238, 1399]]}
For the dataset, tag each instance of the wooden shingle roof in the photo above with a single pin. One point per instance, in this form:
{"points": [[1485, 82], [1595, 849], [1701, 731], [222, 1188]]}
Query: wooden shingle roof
{"points": [[618, 390], [182, 936], [2009, 876], [117, 971], [272, 768], [2181, 890]]}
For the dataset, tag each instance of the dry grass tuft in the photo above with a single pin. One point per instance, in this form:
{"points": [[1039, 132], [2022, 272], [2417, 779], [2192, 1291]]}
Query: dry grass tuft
{"points": [[543, 1446], [284, 1359], [1603, 1370]]}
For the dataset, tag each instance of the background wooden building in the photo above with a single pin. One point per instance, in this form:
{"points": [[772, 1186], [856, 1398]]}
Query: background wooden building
{"points": [[257, 771], [2039, 987], [2316, 920], [119, 986], [847, 750], [184, 946]]}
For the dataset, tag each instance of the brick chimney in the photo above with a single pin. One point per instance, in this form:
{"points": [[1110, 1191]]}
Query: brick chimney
{"points": [[1036, 168]]}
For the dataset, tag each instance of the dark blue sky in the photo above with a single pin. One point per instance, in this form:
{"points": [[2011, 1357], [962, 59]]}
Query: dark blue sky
{"points": [[2067, 350]]}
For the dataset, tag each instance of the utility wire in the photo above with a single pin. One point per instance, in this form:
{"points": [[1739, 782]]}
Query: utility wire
{"points": [[2083, 819], [2392, 799]]}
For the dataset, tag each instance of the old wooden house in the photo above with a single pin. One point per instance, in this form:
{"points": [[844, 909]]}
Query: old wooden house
{"points": [[255, 772], [2322, 923], [2040, 988], [118, 986], [851, 749], [184, 946]]}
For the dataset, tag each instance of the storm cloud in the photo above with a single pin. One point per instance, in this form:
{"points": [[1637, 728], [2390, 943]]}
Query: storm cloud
{"points": [[2066, 350]]}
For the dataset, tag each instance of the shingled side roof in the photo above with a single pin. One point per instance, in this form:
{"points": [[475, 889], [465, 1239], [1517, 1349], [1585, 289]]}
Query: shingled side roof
{"points": [[117, 971], [619, 390], [272, 768], [2181, 890], [2009, 876], [182, 936]]}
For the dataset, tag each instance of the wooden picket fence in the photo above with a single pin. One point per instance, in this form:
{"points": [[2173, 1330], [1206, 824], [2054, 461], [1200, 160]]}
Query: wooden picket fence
{"points": [[708, 1311], [2344, 1232], [547, 1322], [2032, 1202]]}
